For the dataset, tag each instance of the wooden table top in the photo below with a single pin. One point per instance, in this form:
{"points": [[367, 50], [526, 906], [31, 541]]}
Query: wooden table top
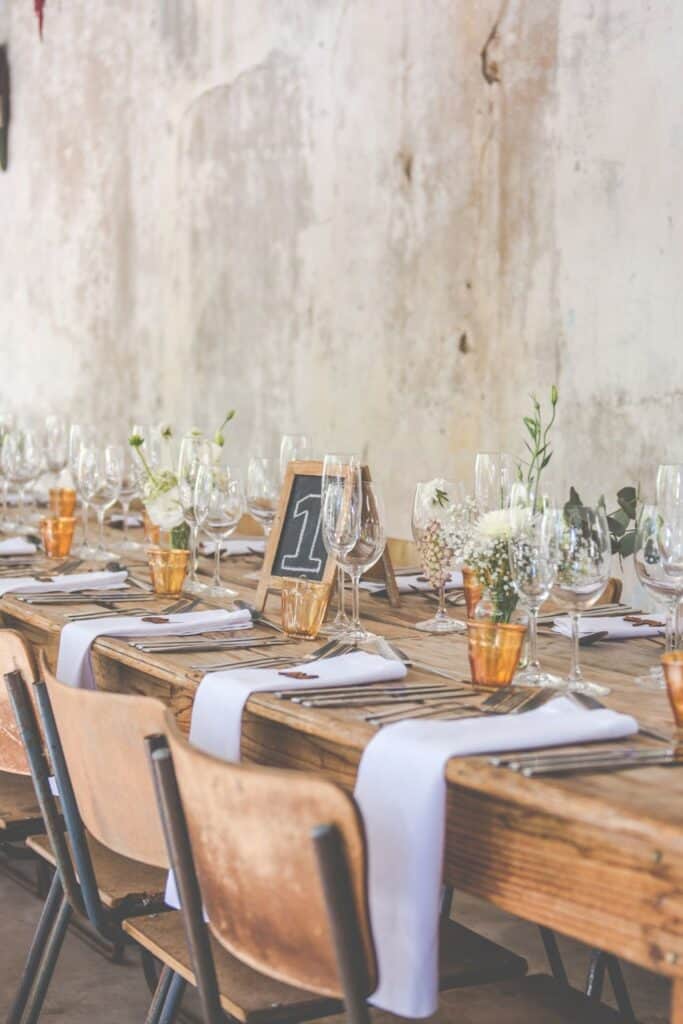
{"points": [[599, 857]]}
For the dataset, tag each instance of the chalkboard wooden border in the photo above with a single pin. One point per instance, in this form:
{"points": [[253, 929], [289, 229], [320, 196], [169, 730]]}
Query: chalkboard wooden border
{"points": [[269, 583]]}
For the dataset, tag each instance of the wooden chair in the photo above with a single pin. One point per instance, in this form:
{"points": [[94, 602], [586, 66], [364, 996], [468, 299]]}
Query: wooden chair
{"points": [[19, 812], [278, 861], [111, 863]]}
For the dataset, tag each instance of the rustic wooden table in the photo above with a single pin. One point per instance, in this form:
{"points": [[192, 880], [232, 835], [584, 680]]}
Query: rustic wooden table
{"points": [[596, 857]]}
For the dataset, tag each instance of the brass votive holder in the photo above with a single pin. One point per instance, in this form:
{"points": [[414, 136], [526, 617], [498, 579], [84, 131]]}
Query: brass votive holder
{"points": [[304, 604], [168, 568], [62, 501], [473, 590], [57, 534], [672, 664], [494, 649]]}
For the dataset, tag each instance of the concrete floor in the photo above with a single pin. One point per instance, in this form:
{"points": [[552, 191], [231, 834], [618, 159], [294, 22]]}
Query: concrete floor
{"points": [[86, 987]]}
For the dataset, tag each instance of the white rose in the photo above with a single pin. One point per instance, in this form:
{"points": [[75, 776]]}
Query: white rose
{"points": [[165, 510]]}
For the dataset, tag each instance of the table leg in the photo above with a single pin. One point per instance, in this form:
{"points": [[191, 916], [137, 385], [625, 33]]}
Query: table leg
{"points": [[677, 1001]]}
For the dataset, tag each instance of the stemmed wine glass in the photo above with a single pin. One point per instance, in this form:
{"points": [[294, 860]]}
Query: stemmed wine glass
{"points": [[130, 488], [292, 448], [263, 491], [81, 436], [22, 460], [337, 470], [194, 452], [100, 471], [440, 521], [583, 565], [533, 552], [366, 509], [219, 505], [6, 425], [655, 572], [494, 475], [56, 445]]}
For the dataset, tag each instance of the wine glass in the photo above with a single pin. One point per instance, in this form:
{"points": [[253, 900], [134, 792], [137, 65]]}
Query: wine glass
{"points": [[583, 565], [263, 490], [130, 488], [533, 552], [219, 505], [22, 460], [441, 521], [366, 551], [194, 452], [6, 425], [80, 436], [670, 485], [494, 475], [56, 445], [100, 471], [293, 447], [336, 470], [657, 577]]}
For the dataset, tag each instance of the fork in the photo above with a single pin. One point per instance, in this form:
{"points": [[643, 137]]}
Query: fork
{"points": [[509, 704], [332, 649]]}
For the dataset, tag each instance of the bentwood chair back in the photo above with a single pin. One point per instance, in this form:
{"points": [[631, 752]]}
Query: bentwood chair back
{"points": [[102, 736], [15, 654], [274, 850]]}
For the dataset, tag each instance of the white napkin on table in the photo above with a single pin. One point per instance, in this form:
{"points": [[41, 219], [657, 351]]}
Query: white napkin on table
{"points": [[615, 626], [236, 546], [409, 584], [73, 661], [216, 723], [130, 520], [70, 581], [17, 546], [401, 792]]}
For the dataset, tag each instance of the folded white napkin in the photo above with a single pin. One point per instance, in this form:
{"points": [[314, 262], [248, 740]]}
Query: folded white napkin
{"points": [[401, 792], [616, 626], [217, 710], [130, 520], [409, 584], [73, 661], [236, 546], [17, 546], [72, 581]]}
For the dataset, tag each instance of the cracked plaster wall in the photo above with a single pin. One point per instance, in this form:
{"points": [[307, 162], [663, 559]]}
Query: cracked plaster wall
{"points": [[382, 222]]}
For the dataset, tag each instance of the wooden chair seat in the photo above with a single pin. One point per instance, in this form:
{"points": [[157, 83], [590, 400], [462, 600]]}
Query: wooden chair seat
{"points": [[120, 880], [246, 994], [18, 806]]}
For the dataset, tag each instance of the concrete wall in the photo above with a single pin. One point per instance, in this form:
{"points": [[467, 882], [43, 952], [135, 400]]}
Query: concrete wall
{"points": [[381, 221]]}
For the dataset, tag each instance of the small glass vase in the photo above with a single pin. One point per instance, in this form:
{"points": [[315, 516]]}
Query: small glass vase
{"points": [[168, 568]]}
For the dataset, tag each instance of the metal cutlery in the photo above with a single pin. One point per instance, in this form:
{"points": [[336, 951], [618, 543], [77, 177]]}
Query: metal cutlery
{"points": [[611, 610], [208, 645], [422, 666], [257, 615], [359, 689], [616, 762], [340, 700], [111, 612], [588, 639], [332, 649], [511, 705]]}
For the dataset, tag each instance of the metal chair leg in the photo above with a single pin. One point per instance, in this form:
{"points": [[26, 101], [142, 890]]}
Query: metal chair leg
{"points": [[552, 951], [48, 964], [595, 979], [160, 996], [621, 995], [150, 969], [35, 954], [174, 999]]}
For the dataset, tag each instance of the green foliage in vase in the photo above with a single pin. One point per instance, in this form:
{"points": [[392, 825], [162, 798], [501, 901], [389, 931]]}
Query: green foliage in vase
{"points": [[180, 537], [538, 445], [621, 522]]}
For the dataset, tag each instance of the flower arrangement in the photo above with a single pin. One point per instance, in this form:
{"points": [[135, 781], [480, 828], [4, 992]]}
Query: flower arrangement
{"points": [[443, 530], [487, 553]]}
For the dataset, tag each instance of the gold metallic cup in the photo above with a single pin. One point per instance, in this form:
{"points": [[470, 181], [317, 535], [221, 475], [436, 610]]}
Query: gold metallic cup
{"points": [[473, 590], [168, 567], [62, 501], [304, 604], [494, 649], [57, 533], [672, 664]]}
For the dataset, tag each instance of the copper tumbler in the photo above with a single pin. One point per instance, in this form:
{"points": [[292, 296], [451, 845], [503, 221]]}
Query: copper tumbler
{"points": [[304, 604], [62, 501], [672, 664], [494, 650], [57, 533], [168, 568]]}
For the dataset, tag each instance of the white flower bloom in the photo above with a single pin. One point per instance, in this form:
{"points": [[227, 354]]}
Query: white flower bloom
{"points": [[165, 510], [501, 524]]}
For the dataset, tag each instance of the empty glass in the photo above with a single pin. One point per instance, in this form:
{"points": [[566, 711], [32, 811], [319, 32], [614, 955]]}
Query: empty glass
{"points": [[56, 445], [439, 521], [194, 452], [293, 447], [99, 479], [22, 461], [219, 505], [670, 486], [336, 470], [494, 475], [364, 510], [80, 435], [583, 565], [130, 488], [655, 572], [263, 491], [533, 551]]}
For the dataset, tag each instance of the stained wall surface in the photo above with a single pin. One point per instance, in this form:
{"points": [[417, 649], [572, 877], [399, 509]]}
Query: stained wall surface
{"points": [[380, 221]]}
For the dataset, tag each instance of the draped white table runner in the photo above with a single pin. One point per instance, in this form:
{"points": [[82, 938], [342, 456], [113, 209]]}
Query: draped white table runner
{"points": [[77, 638], [70, 581]]}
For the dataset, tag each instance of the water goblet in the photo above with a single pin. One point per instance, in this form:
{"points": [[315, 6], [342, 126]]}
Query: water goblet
{"points": [[293, 447], [100, 471], [494, 475], [665, 586], [533, 553], [130, 488], [365, 552], [56, 445], [336, 470], [22, 459], [219, 505], [81, 435], [194, 453], [263, 491]]}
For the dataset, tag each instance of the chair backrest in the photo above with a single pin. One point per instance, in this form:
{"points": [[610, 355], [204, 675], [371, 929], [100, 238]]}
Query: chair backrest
{"points": [[102, 735], [15, 653], [251, 831]]}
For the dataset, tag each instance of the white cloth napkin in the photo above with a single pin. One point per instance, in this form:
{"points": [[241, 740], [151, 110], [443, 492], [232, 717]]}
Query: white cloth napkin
{"points": [[409, 584], [17, 546], [130, 520], [615, 626], [216, 723], [72, 581], [401, 792], [73, 661], [236, 546]]}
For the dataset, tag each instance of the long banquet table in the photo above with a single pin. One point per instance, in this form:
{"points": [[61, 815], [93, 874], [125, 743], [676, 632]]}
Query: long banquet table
{"points": [[596, 857]]}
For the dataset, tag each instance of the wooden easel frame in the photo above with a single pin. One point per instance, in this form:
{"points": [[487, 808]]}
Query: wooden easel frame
{"points": [[384, 567]]}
